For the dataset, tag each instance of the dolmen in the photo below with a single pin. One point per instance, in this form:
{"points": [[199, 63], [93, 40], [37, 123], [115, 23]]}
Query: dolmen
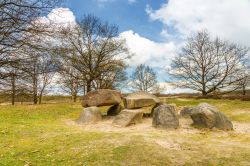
{"points": [[130, 110], [98, 98], [136, 104]]}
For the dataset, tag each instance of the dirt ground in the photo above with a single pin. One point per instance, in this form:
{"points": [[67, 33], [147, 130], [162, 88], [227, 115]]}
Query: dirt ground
{"points": [[146, 126]]}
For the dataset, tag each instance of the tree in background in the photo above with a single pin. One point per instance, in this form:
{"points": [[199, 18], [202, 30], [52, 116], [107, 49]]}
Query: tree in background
{"points": [[39, 70], [244, 82], [208, 65], [18, 27], [12, 86], [94, 50], [112, 79], [144, 79], [70, 82]]}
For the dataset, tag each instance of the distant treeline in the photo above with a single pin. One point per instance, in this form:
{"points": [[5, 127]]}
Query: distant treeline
{"points": [[235, 95]]}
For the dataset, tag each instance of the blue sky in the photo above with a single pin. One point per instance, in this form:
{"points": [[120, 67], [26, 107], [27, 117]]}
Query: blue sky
{"points": [[156, 30], [123, 13]]}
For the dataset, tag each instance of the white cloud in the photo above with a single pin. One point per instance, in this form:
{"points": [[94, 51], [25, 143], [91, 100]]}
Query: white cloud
{"points": [[228, 19], [103, 1], [147, 51], [131, 1], [60, 16]]}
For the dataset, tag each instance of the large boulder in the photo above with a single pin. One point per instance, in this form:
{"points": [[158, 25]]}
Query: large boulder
{"points": [[128, 117], [115, 110], [208, 116], [140, 99], [90, 115], [165, 116], [101, 97]]}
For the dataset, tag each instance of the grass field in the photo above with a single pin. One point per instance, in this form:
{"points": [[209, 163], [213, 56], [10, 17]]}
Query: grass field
{"points": [[45, 135]]}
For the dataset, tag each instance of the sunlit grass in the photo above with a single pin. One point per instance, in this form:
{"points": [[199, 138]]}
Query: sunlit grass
{"points": [[38, 135]]}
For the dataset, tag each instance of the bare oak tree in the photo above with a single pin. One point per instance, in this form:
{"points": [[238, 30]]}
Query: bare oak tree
{"points": [[94, 49], [208, 65], [144, 79]]}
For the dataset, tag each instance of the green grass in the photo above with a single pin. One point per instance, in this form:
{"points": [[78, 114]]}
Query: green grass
{"points": [[39, 135]]}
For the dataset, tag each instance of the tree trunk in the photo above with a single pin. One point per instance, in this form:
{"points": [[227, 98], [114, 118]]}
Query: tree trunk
{"points": [[243, 90], [41, 94], [89, 86], [204, 93], [34, 89], [13, 89], [74, 97], [35, 97], [84, 89], [40, 98]]}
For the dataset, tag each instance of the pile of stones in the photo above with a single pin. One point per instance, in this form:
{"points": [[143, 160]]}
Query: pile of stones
{"points": [[130, 110]]}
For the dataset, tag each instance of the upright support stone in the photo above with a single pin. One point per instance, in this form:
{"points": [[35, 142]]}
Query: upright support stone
{"points": [[90, 115], [165, 116], [128, 117]]}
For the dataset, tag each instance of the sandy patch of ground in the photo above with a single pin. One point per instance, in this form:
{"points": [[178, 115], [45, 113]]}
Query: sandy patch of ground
{"points": [[183, 140], [241, 111], [243, 128], [146, 127], [106, 126], [5, 104], [166, 144]]}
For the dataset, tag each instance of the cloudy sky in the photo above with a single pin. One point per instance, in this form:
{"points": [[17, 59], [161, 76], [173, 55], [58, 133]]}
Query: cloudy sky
{"points": [[156, 29]]}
